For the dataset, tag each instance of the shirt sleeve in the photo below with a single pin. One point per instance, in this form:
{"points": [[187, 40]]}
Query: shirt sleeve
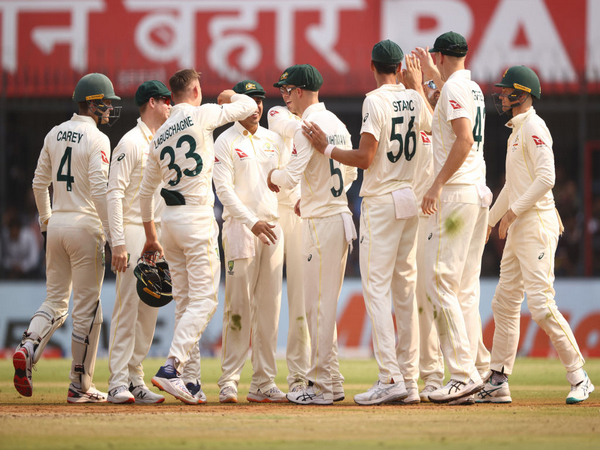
{"points": [[290, 175], [150, 182], [425, 117], [500, 207], [125, 157], [454, 103], [372, 117], [224, 179], [41, 182], [98, 176], [283, 122], [241, 106], [538, 144]]}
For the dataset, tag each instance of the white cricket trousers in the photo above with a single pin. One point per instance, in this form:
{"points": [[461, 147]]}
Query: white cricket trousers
{"points": [[388, 268], [298, 340], [252, 305], [528, 266], [190, 241], [325, 251], [453, 265], [74, 259], [133, 322], [431, 360]]}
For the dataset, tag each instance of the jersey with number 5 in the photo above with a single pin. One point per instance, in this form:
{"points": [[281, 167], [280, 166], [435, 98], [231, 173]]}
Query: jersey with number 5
{"points": [[182, 151], [75, 159], [460, 97], [395, 116]]}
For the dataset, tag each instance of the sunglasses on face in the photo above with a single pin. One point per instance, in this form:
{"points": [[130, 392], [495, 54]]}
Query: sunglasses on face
{"points": [[430, 84], [288, 90], [167, 100]]}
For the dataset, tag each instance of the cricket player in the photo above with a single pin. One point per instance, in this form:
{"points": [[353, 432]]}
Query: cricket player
{"points": [[531, 226], [253, 246], [327, 228], [285, 123], [133, 322], [182, 156], [458, 202], [393, 118], [74, 159]]}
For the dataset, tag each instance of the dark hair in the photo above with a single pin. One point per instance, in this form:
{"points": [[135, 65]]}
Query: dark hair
{"points": [[180, 81], [385, 68]]}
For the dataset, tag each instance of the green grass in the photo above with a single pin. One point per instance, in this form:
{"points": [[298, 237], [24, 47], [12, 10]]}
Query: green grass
{"points": [[537, 418]]}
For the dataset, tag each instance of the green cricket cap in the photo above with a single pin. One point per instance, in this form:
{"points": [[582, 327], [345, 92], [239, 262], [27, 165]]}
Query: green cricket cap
{"points": [[387, 52], [150, 89], [249, 87], [450, 43], [303, 76]]}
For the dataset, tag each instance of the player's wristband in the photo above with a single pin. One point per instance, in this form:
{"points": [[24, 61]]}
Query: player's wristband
{"points": [[328, 150]]}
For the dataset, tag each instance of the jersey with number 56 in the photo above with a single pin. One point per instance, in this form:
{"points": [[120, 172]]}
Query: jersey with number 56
{"points": [[395, 116], [182, 151], [460, 97], [75, 159]]}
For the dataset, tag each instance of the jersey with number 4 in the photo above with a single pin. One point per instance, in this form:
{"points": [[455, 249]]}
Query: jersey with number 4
{"points": [[460, 97], [182, 150], [395, 116], [75, 159]]}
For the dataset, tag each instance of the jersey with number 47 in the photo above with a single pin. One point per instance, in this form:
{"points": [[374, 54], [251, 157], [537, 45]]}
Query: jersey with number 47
{"points": [[395, 116], [75, 159], [182, 151], [460, 97]]}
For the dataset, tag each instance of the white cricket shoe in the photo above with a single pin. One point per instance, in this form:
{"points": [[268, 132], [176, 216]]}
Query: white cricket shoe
{"points": [[196, 390], [428, 389], [468, 400], [119, 395], [308, 396], [145, 396], [581, 391], [167, 379], [382, 393], [273, 395], [93, 395], [454, 390], [298, 386], [22, 362], [228, 394], [412, 398], [494, 393]]}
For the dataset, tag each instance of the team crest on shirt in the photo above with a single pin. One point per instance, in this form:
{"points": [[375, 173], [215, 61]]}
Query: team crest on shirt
{"points": [[425, 138], [538, 141], [269, 148], [230, 267], [455, 105], [272, 113], [515, 145], [294, 152], [241, 154], [121, 156], [104, 158]]}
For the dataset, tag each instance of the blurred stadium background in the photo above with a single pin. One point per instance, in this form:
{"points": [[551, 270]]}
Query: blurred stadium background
{"points": [[47, 45]]}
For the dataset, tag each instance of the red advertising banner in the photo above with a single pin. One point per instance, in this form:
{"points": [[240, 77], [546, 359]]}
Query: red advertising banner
{"points": [[47, 45]]}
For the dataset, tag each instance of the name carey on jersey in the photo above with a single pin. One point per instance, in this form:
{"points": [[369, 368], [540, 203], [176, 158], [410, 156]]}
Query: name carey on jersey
{"points": [[173, 130], [70, 136]]}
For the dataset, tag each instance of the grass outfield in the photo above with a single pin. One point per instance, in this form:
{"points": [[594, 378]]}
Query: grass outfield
{"points": [[537, 418]]}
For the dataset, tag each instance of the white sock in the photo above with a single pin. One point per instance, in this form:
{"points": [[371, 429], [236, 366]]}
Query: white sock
{"points": [[170, 362], [576, 377]]}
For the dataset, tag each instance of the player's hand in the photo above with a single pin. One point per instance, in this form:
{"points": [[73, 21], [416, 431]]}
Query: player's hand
{"points": [[315, 135], [272, 187], [487, 236], [264, 231], [426, 61], [297, 208], [506, 222], [430, 199], [225, 96], [413, 77], [120, 259], [152, 246]]}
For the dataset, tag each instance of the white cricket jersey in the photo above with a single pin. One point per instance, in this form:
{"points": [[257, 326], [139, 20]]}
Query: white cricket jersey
{"points": [[285, 123], [424, 167], [460, 97], [242, 164], [395, 116], [530, 172], [182, 153], [324, 180], [74, 159], [124, 181]]}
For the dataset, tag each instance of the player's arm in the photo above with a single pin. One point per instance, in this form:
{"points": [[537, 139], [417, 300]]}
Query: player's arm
{"points": [[290, 175], [231, 107], [150, 182], [123, 161], [283, 122], [412, 78], [98, 177], [498, 210], [41, 182], [457, 156]]}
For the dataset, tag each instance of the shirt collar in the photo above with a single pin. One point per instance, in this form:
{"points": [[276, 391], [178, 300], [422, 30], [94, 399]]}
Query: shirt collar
{"points": [[77, 118], [260, 131], [464, 73], [145, 130], [313, 108], [389, 87], [520, 119]]}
